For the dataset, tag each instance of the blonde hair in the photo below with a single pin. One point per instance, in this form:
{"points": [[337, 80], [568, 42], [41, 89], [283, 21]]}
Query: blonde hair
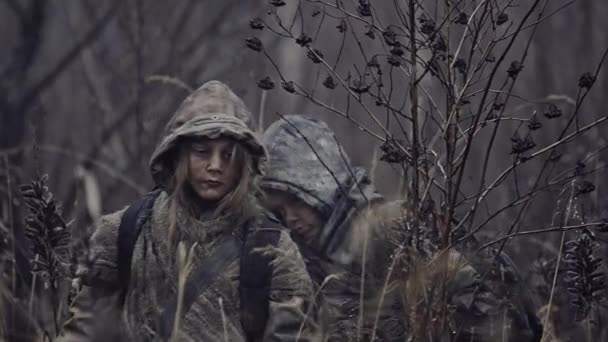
{"points": [[238, 204]]}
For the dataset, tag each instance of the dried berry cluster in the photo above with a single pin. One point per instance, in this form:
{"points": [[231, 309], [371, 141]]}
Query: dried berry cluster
{"points": [[46, 232], [392, 152], [585, 280]]}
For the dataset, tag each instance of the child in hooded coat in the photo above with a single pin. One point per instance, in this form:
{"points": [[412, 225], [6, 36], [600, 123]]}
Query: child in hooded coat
{"points": [[315, 191], [352, 242], [207, 166]]}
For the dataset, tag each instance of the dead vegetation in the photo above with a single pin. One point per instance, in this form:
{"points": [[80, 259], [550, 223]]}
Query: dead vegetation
{"points": [[439, 90]]}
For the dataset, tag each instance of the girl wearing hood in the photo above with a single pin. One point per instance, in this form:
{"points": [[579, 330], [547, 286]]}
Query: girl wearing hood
{"points": [[344, 228], [192, 273]]}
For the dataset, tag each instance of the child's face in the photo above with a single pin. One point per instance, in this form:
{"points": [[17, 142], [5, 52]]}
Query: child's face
{"points": [[302, 220], [213, 168]]}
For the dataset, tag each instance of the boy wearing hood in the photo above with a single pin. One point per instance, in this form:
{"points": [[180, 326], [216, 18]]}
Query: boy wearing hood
{"points": [[343, 227], [317, 194], [184, 263]]}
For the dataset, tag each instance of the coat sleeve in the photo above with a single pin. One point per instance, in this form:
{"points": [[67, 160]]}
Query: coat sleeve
{"points": [[373, 245], [340, 307], [291, 315], [484, 291], [487, 291], [96, 306]]}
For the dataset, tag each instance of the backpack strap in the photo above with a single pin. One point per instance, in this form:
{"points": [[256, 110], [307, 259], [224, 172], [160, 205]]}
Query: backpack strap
{"points": [[130, 227], [254, 279], [256, 275], [202, 276]]}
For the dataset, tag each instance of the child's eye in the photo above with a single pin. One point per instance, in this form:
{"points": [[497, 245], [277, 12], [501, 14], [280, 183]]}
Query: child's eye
{"points": [[279, 213], [227, 155], [200, 150]]}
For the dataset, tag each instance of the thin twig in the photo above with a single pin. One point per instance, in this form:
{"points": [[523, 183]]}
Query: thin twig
{"points": [[542, 231], [170, 80], [50, 77]]}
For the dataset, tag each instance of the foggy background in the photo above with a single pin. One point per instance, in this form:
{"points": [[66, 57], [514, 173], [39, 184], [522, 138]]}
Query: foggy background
{"points": [[87, 86]]}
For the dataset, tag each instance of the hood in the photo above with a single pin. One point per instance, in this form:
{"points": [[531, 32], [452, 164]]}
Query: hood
{"points": [[211, 111], [308, 162]]}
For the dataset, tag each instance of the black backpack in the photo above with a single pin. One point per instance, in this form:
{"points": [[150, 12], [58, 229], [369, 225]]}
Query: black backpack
{"points": [[255, 270]]}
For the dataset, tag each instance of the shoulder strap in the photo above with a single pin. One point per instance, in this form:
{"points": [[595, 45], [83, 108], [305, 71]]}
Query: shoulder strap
{"points": [[131, 224], [256, 275]]}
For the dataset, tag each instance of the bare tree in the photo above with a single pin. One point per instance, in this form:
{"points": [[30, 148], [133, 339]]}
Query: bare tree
{"points": [[436, 84]]}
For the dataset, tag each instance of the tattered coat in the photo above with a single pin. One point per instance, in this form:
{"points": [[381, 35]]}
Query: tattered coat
{"points": [[308, 162], [367, 262], [97, 312]]}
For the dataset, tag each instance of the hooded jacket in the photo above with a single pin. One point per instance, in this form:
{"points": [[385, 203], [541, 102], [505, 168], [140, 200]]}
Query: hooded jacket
{"points": [[363, 234], [211, 111], [484, 292], [308, 162]]}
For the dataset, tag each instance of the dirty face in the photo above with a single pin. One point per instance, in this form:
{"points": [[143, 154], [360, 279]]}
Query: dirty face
{"points": [[213, 169], [303, 221]]}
